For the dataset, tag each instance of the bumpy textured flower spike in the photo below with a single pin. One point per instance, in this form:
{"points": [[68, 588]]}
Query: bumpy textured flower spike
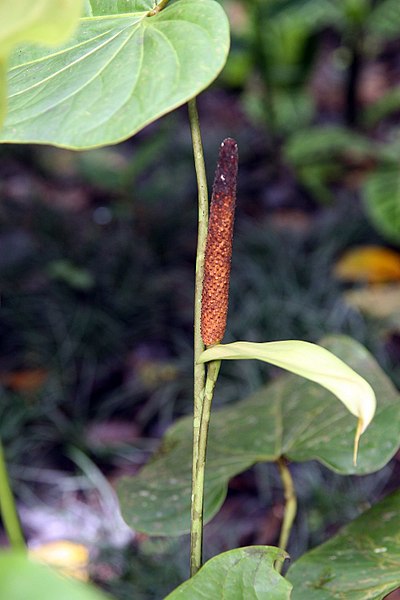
{"points": [[217, 267]]}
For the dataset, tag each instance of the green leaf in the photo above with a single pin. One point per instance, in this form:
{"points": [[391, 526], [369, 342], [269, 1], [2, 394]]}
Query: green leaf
{"points": [[312, 362], [3, 103], [23, 579], [104, 8], [310, 13], [325, 143], [384, 19], [243, 573], [355, 12], [320, 154], [116, 75], [382, 201], [43, 21], [291, 417], [360, 563], [75, 277], [157, 501], [383, 107]]}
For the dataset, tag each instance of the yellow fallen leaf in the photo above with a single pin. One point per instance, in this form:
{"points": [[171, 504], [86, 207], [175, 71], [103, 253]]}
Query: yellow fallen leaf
{"points": [[69, 558], [373, 264]]}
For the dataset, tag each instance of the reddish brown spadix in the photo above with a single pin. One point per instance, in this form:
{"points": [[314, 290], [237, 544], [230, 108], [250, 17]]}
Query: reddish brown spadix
{"points": [[217, 267]]}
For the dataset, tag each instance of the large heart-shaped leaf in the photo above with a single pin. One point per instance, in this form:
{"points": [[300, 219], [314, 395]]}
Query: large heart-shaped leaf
{"points": [[23, 579], [241, 573], [360, 563], [43, 21], [116, 75], [291, 417]]}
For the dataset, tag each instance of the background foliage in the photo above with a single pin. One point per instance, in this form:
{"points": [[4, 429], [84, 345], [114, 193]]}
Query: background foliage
{"points": [[96, 271]]}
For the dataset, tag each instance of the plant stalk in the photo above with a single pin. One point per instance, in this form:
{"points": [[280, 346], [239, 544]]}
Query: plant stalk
{"points": [[290, 507], [158, 8], [8, 509], [196, 546], [199, 369]]}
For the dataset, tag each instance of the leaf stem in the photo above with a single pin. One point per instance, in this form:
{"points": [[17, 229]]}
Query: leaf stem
{"points": [[7, 507], [199, 369], [196, 545], [158, 8], [290, 507]]}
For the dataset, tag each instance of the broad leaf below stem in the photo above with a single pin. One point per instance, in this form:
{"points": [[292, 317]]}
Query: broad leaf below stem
{"points": [[243, 573], [362, 562], [118, 73], [291, 417]]}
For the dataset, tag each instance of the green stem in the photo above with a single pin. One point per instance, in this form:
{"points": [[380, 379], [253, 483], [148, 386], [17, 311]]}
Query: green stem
{"points": [[7, 507], [158, 8], [199, 369], [196, 545], [290, 507]]}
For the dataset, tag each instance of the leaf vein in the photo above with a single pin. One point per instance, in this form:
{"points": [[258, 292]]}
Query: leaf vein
{"points": [[74, 63]]}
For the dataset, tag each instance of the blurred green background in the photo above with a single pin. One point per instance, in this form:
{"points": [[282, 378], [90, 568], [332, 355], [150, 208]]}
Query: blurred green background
{"points": [[97, 254]]}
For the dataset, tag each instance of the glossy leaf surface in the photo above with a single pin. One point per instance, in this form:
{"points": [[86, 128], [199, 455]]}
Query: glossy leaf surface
{"points": [[291, 417], [241, 573], [118, 73], [360, 563]]}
